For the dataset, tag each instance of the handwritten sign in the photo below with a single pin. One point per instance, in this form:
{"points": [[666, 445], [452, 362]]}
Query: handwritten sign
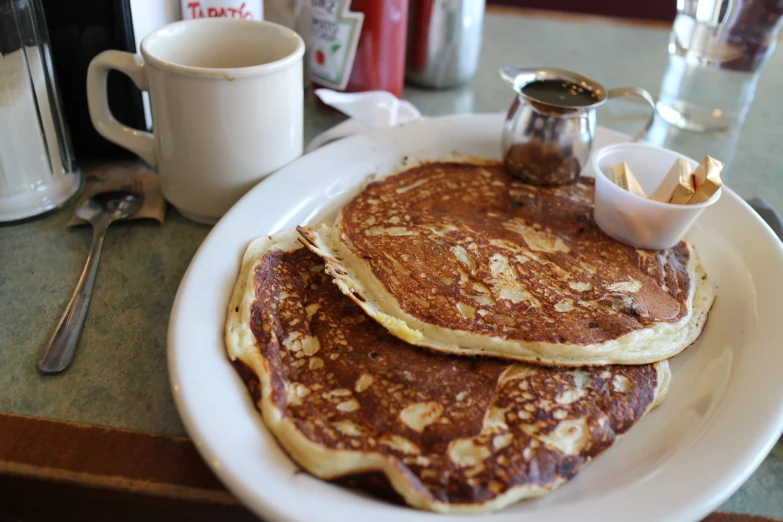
{"points": [[249, 9]]}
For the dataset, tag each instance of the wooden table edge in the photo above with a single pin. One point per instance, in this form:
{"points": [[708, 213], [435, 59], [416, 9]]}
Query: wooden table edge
{"points": [[100, 456], [565, 16], [36, 450]]}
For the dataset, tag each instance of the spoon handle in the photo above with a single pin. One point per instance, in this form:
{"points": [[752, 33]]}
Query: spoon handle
{"points": [[59, 352]]}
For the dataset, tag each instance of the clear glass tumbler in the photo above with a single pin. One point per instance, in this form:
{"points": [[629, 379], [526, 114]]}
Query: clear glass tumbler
{"points": [[717, 49], [37, 168]]}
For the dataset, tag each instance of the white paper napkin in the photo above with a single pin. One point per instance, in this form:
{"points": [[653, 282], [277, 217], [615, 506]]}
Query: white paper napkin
{"points": [[367, 110]]}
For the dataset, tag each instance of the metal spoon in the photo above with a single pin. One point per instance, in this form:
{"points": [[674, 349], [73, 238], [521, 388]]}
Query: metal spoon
{"points": [[100, 211]]}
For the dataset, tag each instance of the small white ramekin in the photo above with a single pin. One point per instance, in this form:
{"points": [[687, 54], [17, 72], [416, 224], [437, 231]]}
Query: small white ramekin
{"points": [[632, 219]]}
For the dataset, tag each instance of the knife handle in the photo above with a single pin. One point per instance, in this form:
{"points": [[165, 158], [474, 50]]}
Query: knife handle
{"points": [[769, 215]]}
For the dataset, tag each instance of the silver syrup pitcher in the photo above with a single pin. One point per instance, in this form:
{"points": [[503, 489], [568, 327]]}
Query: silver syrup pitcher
{"points": [[547, 140]]}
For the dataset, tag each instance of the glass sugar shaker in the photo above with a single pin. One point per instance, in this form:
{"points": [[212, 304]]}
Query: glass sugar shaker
{"points": [[37, 168]]}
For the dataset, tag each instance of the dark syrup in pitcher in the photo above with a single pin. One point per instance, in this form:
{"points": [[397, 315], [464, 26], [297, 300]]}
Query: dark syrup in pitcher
{"points": [[560, 93]]}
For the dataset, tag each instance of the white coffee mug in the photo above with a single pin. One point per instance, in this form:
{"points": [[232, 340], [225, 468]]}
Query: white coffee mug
{"points": [[227, 108]]}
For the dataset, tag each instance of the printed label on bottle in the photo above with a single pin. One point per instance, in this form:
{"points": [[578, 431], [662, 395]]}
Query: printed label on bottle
{"points": [[335, 36], [249, 9]]}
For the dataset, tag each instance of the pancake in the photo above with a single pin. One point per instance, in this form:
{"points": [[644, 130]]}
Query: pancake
{"points": [[351, 403], [461, 258]]}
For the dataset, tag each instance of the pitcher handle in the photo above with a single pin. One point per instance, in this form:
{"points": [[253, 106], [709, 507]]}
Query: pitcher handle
{"points": [[641, 93]]}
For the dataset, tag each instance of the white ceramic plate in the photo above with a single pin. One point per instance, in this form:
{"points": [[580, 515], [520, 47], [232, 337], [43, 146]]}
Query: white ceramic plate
{"points": [[722, 416]]}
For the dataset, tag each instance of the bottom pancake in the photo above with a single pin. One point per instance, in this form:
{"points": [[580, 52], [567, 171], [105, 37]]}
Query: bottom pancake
{"points": [[350, 402]]}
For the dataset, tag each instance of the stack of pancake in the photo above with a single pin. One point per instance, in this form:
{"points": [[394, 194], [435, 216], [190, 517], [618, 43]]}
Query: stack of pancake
{"points": [[458, 339]]}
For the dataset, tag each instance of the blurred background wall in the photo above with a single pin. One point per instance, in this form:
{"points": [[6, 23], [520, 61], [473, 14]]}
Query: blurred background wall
{"points": [[653, 10]]}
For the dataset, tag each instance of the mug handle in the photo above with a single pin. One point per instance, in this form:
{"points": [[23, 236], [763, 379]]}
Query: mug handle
{"points": [[132, 65], [636, 91]]}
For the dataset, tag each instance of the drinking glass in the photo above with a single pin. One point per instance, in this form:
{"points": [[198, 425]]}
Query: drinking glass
{"points": [[717, 49]]}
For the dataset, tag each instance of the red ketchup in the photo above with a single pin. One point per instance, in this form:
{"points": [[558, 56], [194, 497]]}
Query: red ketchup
{"points": [[359, 45]]}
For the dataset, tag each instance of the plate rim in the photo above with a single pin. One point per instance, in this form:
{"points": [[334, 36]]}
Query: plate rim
{"points": [[711, 497]]}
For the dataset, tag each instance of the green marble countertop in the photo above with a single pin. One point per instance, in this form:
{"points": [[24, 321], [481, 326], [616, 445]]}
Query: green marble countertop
{"points": [[119, 376]]}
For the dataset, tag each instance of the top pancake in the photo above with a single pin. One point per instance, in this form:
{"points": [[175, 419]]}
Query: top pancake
{"points": [[459, 257]]}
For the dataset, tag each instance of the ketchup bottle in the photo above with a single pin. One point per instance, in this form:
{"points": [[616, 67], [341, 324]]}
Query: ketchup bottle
{"points": [[359, 45]]}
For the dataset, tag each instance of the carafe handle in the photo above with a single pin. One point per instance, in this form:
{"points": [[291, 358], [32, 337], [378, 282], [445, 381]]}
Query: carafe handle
{"points": [[641, 93]]}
